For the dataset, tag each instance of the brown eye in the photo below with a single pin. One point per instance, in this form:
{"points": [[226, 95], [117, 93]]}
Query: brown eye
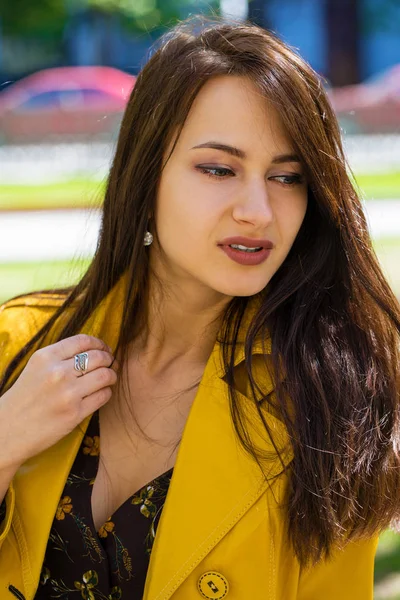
{"points": [[288, 180], [215, 172]]}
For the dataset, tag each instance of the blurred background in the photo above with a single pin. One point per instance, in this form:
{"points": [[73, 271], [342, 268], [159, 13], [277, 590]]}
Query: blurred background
{"points": [[66, 70]]}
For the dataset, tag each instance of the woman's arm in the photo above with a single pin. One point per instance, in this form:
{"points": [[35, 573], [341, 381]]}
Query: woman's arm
{"points": [[6, 500], [7, 472], [6, 477], [47, 400]]}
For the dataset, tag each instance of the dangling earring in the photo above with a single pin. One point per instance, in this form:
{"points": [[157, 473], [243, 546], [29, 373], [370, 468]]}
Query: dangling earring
{"points": [[148, 238]]}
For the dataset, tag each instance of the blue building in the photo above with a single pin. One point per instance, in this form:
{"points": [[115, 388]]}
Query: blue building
{"points": [[345, 40]]}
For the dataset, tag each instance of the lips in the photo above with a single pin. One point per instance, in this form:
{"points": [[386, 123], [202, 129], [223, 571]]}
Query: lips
{"points": [[243, 257], [248, 242]]}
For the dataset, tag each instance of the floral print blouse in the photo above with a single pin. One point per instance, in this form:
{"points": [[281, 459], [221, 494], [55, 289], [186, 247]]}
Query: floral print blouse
{"points": [[108, 564]]}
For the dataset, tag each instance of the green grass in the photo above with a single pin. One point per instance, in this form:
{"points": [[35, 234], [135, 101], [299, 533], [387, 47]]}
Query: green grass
{"points": [[81, 193], [379, 185], [388, 251], [387, 567], [20, 278], [388, 555]]}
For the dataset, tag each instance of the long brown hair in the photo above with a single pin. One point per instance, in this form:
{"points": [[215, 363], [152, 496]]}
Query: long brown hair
{"points": [[332, 317]]}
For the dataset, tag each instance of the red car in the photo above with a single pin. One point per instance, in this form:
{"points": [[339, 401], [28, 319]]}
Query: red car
{"points": [[372, 106], [65, 102]]}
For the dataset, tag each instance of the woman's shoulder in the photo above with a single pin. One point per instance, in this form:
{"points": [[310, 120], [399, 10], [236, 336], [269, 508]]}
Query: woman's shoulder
{"points": [[22, 317], [36, 299], [22, 310]]}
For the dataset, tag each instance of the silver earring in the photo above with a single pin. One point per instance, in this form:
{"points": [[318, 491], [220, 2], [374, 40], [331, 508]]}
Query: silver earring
{"points": [[148, 238]]}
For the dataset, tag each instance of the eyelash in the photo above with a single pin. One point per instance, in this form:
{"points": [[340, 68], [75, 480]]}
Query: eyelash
{"points": [[293, 179]]}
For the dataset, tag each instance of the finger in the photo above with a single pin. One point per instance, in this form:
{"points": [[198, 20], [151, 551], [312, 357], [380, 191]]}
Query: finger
{"points": [[95, 381], [96, 359], [115, 365], [75, 344], [94, 401]]}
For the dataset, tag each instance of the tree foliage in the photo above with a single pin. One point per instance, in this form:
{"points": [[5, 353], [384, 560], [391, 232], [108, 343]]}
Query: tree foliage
{"points": [[24, 17], [48, 17]]}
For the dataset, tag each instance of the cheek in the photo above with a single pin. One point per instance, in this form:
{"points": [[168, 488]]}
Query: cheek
{"points": [[183, 213], [188, 205]]}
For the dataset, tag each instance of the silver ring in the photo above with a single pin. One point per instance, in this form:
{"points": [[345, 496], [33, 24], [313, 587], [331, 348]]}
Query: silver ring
{"points": [[81, 361]]}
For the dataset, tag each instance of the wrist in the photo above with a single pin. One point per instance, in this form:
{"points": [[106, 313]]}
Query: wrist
{"points": [[9, 464], [8, 470]]}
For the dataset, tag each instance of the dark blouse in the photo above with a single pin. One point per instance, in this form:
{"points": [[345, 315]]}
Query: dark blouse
{"points": [[110, 563]]}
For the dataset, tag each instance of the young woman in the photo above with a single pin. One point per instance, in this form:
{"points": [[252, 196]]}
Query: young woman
{"points": [[233, 347]]}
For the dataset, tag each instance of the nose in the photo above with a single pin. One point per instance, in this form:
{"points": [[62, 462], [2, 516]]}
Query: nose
{"points": [[254, 206]]}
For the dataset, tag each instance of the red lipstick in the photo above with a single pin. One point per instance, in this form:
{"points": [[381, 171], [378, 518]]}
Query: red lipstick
{"points": [[246, 251]]}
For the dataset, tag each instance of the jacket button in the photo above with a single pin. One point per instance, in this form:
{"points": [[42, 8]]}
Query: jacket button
{"points": [[213, 585]]}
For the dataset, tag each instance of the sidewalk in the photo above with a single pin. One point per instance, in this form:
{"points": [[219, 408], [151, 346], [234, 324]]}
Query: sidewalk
{"points": [[64, 234]]}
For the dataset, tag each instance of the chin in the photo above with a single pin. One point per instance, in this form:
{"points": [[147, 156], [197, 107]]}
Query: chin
{"points": [[242, 288]]}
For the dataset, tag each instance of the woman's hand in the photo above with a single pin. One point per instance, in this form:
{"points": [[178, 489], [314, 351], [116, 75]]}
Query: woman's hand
{"points": [[50, 398]]}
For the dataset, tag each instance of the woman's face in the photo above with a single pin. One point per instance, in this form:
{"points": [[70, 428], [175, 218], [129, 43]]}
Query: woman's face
{"points": [[208, 195]]}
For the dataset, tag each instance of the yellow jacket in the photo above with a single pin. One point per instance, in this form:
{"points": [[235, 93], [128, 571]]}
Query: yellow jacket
{"points": [[222, 529]]}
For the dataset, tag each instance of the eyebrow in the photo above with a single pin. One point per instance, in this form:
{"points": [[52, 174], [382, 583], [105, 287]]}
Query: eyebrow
{"points": [[278, 159]]}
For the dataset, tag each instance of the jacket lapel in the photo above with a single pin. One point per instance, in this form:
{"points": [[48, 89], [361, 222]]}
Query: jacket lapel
{"points": [[38, 487], [40, 481], [198, 511]]}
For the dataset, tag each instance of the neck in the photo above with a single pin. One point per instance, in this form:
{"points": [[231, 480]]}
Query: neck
{"points": [[183, 322]]}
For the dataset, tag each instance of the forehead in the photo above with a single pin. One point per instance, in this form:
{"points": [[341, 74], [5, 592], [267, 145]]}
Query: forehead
{"points": [[233, 110]]}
